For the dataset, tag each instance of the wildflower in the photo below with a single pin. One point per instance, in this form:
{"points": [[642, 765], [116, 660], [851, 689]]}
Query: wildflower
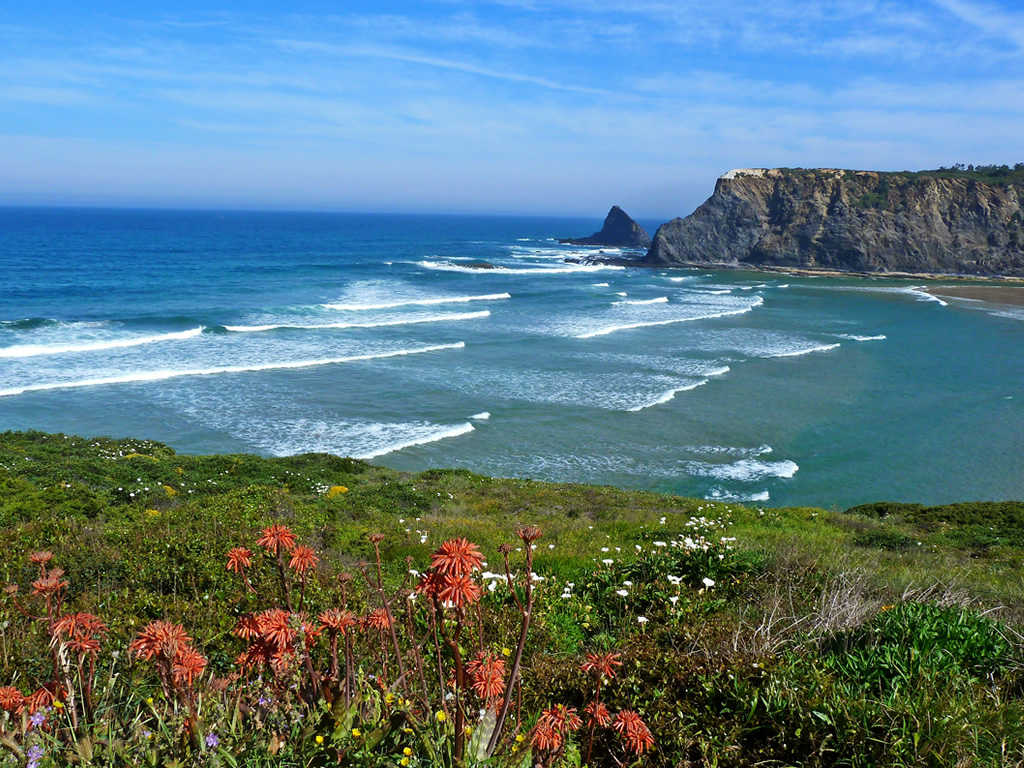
{"points": [[188, 664], [708, 582], [34, 754], [11, 699], [634, 731], [303, 559], [487, 675], [337, 620], [277, 537], [554, 725], [389, 698], [459, 590], [212, 740], [598, 713], [441, 716], [602, 663], [157, 637], [529, 533], [238, 559], [642, 619], [457, 557], [376, 538], [37, 719], [319, 739], [356, 733], [40, 558], [404, 761], [407, 751], [621, 592], [506, 651]]}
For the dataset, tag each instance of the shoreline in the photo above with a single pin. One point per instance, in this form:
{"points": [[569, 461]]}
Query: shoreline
{"points": [[985, 280]]}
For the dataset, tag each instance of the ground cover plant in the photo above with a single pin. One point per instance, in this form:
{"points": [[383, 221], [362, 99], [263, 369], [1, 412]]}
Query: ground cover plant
{"points": [[176, 610]]}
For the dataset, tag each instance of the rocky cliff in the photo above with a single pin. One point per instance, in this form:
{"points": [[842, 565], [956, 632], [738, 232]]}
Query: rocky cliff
{"points": [[857, 221], [619, 230]]}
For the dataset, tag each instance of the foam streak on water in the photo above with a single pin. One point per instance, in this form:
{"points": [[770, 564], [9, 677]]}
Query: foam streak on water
{"points": [[32, 350]]}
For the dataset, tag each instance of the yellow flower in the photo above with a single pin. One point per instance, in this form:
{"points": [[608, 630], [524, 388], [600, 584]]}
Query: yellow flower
{"points": [[404, 761], [506, 651], [514, 749], [469, 730], [153, 512], [336, 490], [319, 739], [356, 732], [407, 730], [58, 705], [520, 738], [441, 716], [389, 698], [407, 751], [149, 700]]}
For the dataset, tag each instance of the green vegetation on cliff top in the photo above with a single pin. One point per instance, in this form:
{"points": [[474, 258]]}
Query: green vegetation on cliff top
{"points": [[888, 634]]}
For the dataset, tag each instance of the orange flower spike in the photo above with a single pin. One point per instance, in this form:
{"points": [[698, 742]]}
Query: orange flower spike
{"points": [[457, 557], [487, 675], [459, 590], [188, 665], [277, 537], [238, 559], [633, 731], [599, 714], [337, 620], [11, 699], [303, 559], [377, 619], [602, 663], [274, 626], [159, 638], [40, 558], [528, 533]]}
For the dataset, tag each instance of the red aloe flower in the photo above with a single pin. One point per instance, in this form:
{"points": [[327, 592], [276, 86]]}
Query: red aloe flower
{"points": [[598, 713], [274, 626], [49, 584], [238, 559], [337, 620], [246, 627], [377, 619], [457, 557], [554, 725], [11, 699], [44, 697], [634, 731], [458, 591], [602, 663], [188, 664], [40, 558], [277, 537], [303, 559], [159, 638], [487, 675], [430, 584], [528, 533]]}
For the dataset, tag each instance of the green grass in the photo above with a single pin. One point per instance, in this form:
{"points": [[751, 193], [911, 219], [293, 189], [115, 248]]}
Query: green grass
{"points": [[888, 634]]}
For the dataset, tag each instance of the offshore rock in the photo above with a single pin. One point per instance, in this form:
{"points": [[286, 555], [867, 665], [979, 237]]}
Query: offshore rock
{"points": [[851, 221], [619, 231]]}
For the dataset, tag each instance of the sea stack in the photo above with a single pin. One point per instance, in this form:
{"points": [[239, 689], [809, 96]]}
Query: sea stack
{"points": [[619, 231]]}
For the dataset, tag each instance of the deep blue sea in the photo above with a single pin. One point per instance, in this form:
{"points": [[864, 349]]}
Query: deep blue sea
{"points": [[371, 336]]}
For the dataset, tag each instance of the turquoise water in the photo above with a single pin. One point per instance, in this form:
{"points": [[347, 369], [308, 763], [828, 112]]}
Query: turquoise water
{"points": [[369, 335]]}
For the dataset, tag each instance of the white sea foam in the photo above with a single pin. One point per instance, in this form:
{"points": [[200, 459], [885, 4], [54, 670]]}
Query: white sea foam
{"points": [[447, 266], [416, 302], [422, 438], [32, 350], [720, 494], [651, 323], [744, 470], [855, 337], [379, 324], [641, 302], [729, 450], [483, 416], [599, 285], [668, 395], [799, 352], [145, 376]]}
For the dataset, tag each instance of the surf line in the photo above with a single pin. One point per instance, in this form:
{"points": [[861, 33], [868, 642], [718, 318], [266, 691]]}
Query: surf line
{"points": [[164, 375]]}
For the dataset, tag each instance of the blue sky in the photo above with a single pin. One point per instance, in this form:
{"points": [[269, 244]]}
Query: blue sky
{"points": [[502, 106]]}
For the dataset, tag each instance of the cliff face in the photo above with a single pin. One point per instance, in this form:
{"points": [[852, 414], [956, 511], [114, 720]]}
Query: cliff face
{"points": [[619, 230], [856, 221]]}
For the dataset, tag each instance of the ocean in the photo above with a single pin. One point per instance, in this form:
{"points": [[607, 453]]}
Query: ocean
{"points": [[378, 336]]}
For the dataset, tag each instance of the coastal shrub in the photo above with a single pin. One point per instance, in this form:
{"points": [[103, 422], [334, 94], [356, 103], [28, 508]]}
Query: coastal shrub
{"points": [[890, 539], [883, 509]]}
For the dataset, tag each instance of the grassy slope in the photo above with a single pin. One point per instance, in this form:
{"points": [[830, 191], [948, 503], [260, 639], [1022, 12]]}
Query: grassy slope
{"points": [[763, 666]]}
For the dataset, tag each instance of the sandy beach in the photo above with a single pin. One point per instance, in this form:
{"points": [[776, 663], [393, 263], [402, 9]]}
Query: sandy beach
{"points": [[994, 294]]}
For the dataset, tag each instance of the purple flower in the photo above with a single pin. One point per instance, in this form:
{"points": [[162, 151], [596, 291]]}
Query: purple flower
{"points": [[38, 718], [34, 755], [212, 740]]}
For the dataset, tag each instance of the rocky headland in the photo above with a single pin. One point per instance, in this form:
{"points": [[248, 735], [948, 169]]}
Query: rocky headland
{"points": [[619, 231], [825, 219]]}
